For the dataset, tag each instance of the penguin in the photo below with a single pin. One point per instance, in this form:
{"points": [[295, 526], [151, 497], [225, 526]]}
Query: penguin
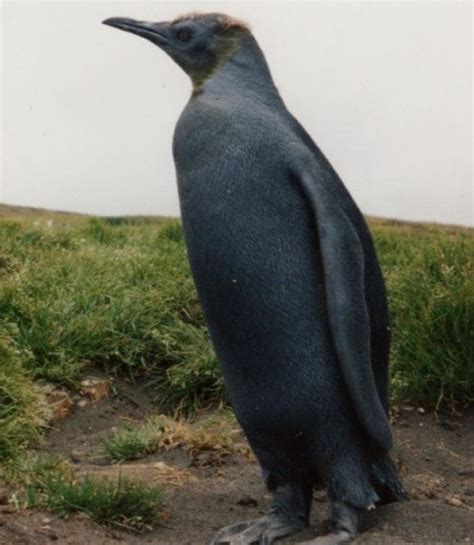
{"points": [[289, 281]]}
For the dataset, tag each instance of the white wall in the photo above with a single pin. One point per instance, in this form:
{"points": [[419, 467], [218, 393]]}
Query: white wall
{"points": [[384, 88]]}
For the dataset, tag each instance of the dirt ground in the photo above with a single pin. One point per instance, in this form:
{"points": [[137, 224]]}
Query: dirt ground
{"points": [[436, 457]]}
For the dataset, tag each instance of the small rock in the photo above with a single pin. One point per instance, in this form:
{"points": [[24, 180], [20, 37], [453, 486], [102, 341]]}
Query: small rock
{"points": [[60, 403], [247, 501], [82, 403], [95, 389], [454, 501], [408, 408], [76, 456], [421, 410], [46, 521], [81, 516]]}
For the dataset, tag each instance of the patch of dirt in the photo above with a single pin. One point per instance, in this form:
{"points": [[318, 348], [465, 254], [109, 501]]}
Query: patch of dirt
{"points": [[79, 437], [436, 459]]}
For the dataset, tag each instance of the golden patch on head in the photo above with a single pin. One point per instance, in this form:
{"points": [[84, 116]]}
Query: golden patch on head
{"points": [[226, 21], [226, 42]]}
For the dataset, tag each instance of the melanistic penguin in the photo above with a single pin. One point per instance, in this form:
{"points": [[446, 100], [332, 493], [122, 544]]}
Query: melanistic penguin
{"points": [[289, 281]]}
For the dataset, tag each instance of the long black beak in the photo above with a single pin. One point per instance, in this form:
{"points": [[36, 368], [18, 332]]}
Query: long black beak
{"points": [[151, 31]]}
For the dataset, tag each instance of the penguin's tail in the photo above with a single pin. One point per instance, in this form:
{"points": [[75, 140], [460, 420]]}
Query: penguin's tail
{"points": [[387, 483]]}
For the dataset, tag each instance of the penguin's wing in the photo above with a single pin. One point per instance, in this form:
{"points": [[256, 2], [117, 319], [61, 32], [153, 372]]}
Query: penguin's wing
{"points": [[343, 262]]}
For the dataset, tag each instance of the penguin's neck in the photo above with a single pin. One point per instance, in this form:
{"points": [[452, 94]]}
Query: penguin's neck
{"points": [[245, 73]]}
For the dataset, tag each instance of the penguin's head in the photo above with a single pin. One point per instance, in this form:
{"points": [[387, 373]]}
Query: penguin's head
{"points": [[199, 43]]}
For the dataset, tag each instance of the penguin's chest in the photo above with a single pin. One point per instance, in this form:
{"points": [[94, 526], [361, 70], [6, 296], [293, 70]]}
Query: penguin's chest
{"points": [[245, 221], [251, 245], [253, 253]]}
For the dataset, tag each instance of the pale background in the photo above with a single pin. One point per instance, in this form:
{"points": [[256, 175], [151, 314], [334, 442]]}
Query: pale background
{"points": [[384, 88]]}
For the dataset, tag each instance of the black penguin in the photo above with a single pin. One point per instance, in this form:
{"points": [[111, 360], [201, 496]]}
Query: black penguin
{"points": [[289, 281]]}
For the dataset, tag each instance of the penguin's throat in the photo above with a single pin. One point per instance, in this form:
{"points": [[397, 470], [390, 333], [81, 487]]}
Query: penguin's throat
{"points": [[225, 45]]}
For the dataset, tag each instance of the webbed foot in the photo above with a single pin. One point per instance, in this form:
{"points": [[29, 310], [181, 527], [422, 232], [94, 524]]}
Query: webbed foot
{"points": [[262, 531]]}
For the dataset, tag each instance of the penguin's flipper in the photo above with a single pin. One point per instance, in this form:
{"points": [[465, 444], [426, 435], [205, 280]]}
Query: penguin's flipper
{"points": [[342, 256]]}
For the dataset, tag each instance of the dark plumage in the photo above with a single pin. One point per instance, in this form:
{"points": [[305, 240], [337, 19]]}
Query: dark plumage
{"points": [[289, 281]]}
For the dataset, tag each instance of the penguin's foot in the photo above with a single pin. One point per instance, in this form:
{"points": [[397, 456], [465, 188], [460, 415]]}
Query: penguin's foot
{"points": [[342, 525], [262, 531], [338, 538]]}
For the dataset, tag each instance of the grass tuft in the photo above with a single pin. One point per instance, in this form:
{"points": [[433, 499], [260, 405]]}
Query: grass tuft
{"points": [[50, 483], [123, 503], [133, 443]]}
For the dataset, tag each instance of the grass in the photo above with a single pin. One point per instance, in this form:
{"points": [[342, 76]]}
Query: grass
{"points": [[216, 432], [21, 409], [431, 294], [51, 484], [131, 443], [117, 295], [124, 503]]}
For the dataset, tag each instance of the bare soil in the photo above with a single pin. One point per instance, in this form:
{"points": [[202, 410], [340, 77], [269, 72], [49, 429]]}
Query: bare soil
{"points": [[435, 455]]}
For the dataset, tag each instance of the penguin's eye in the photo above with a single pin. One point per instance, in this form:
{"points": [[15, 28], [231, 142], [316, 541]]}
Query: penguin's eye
{"points": [[183, 35]]}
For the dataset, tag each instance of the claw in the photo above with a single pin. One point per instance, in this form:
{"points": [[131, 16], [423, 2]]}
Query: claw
{"points": [[339, 538]]}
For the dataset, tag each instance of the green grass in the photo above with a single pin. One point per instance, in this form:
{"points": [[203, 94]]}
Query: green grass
{"points": [[117, 295], [429, 275], [123, 503], [131, 443], [20, 403], [51, 484]]}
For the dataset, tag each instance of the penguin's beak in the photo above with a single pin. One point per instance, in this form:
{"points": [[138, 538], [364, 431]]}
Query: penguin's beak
{"points": [[155, 32]]}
